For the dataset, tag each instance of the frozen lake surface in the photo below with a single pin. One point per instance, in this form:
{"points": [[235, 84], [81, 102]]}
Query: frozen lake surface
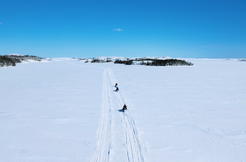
{"points": [[67, 111]]}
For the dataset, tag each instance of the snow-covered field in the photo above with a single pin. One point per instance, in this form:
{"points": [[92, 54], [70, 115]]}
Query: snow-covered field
{"points": [[67, 111]]}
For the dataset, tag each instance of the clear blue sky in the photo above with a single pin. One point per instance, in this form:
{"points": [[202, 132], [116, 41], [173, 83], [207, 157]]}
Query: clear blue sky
{"points": [[131, 28]]}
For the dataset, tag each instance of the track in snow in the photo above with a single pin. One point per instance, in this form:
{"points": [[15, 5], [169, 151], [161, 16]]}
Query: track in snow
{"points": [[132, 142], [104, 142]]}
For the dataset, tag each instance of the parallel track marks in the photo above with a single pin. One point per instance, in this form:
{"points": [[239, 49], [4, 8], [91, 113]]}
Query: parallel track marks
{"points": [[104, 141], [132, 142]]}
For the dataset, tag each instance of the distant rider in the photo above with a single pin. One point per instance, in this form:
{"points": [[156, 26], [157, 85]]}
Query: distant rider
{"points": [[124, 107]]}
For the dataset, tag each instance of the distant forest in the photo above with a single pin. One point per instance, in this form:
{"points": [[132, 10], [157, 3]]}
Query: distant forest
{"points": [[11, 60], [146, 61]]}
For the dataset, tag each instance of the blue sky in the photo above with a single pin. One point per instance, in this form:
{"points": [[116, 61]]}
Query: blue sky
{"points": [[131, 28]]}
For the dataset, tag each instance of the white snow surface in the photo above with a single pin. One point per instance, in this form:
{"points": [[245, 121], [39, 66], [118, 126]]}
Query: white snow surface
{"points": [[67, 111]]}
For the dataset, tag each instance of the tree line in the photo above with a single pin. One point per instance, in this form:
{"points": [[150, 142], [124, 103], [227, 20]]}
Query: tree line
{"points": [[11, 60]]}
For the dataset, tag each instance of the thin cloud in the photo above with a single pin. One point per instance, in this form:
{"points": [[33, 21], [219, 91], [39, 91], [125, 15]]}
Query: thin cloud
{"points": [[1, 23], [118, 29]]}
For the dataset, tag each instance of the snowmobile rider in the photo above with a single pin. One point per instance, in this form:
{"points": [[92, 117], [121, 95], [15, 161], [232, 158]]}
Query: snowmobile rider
{"points": [[124, 107], [116, 84], [117, 89]]}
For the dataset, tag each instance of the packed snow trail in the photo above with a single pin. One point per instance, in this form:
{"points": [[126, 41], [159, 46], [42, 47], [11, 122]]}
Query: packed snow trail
{"points": [[104, 142], [132, 142]]}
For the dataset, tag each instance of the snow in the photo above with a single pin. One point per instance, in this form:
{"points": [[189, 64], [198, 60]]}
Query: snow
{"points": [[60, 59], [67, 110]]}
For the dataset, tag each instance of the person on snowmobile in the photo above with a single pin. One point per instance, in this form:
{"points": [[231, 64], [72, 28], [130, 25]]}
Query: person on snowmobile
{"points": [[116, 84], [117, 89], [124, 107]]}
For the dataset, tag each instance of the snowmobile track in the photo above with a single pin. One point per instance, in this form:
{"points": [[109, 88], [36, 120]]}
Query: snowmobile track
{"points": [[134, 147], [104, 141], [132, 142]]}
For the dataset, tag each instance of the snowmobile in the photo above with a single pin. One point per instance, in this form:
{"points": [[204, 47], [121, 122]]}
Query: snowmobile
{"points": [[124, 108]]}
